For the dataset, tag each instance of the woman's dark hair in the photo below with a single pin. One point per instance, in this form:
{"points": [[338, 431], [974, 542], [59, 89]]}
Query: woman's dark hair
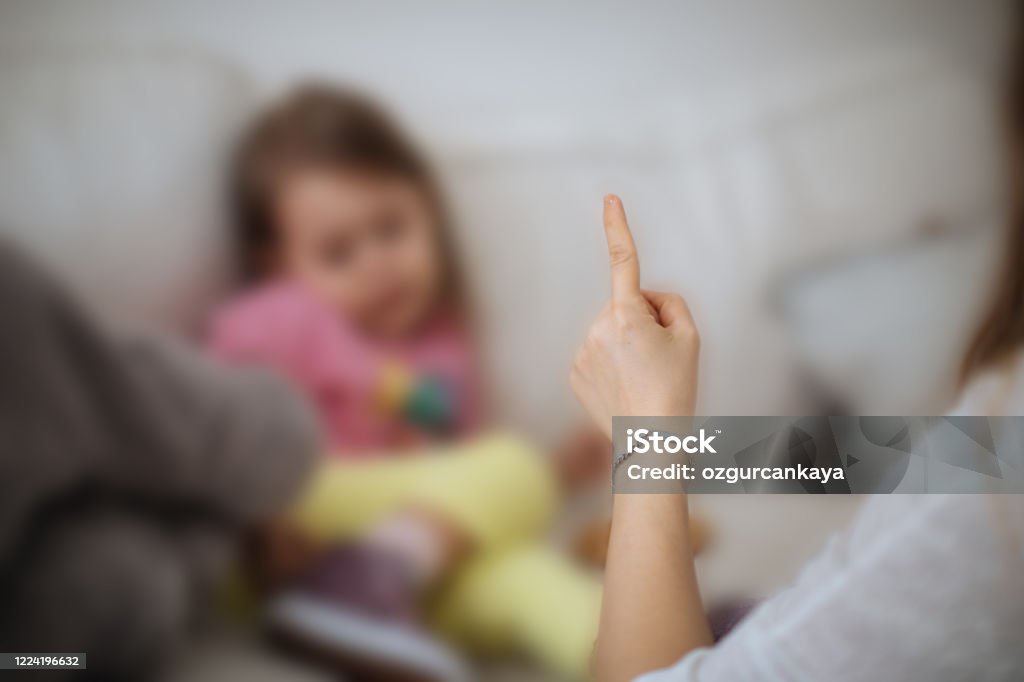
{"points": [[332, 128], [1002, 328]]}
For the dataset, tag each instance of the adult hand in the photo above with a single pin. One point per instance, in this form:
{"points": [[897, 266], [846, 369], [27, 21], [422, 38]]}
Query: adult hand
{"points": [[640, 359], [640, 355]]}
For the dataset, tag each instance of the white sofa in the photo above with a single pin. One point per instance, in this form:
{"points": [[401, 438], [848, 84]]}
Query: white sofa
{"points": [[111, 167]]}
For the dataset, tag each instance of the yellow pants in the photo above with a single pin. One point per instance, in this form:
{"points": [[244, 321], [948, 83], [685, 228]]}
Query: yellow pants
{"points": [[514, 595]]}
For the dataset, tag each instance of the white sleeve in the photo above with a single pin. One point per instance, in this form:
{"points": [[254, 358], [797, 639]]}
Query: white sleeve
{"points": [[918, 588]]}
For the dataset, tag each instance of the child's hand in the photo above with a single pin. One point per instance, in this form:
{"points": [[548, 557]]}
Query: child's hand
{"points": [[640, 355]]}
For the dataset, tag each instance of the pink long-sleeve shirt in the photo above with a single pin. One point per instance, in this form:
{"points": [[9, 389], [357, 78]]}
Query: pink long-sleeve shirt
{"points": [[346, 375]]}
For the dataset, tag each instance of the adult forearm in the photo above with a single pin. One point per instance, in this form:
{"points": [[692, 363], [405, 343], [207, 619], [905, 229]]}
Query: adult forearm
{"points": [[640, 358], [652, 613]]}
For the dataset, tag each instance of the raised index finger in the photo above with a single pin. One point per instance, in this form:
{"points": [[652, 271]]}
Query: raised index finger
{"points": [[621, 251]]}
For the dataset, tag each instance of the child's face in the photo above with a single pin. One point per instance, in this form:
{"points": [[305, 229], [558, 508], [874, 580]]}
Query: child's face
{"points": [[366, 243]]}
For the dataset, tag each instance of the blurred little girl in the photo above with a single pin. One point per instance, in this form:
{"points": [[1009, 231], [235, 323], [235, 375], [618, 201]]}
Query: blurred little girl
{"points": [[354, 296]]}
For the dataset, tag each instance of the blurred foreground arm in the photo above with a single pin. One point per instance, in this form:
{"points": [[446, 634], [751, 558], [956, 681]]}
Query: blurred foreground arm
{"points": [[128, 467], [84, 408], [640, 359]]}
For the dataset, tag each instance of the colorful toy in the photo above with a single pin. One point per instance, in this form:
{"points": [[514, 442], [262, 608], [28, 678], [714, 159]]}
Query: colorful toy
{"points": [[425, 401]]}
